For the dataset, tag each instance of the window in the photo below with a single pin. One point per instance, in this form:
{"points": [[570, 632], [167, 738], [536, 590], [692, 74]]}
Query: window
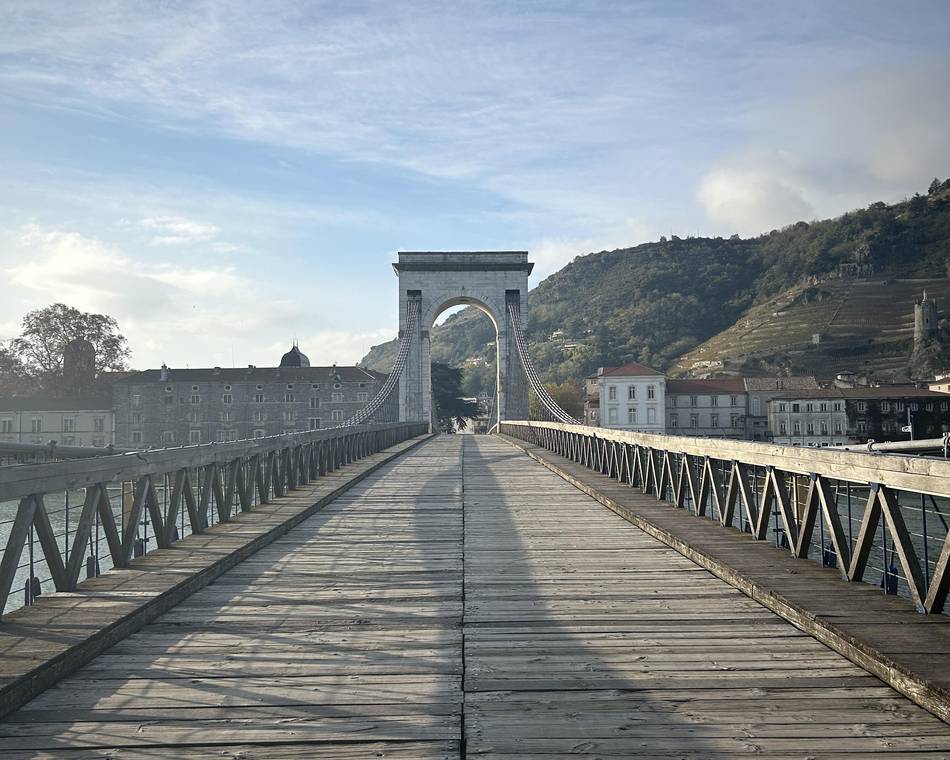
{"points": [[714, 420], [631, 415], [259, 416], [194, 436], [221, 436], [862, 407], [194, 387], [337, 415], [611, 393], [227, 416], [137, 418], [796, 407], [336, 397], [810, 428], [837, 406], [612, 415], [734, 420], [943, 406], [930, 406], [168, 389], [862, 426], [362, 396], [783, 428], [258, 433], [693, 400], [885, 406], [288, 398], [232, 435], [195, 398], [837, 428], [756, 406], [809, 407], [168, 436], [227, 398], [899, 406], [651, 391], [694, 420], [98, 424], [631, 392], [674, 420], [671, 401], [290, 416], [193, 417], [136, 436], [315, 386], [36, 425], [824, 428], [6, 425], [651, 416], [259, 387], [337, 385], [314, 403], [733, 401], [823, 407], [258, 398], [290, 386], [914, 406], [782, 407], [69, 424], [714, 400], [169, 400], [314, 423], [227, 387], [136, 400]]}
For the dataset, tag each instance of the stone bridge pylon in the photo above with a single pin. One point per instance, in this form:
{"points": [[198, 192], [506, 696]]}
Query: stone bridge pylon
{"points": [[438, 280]]}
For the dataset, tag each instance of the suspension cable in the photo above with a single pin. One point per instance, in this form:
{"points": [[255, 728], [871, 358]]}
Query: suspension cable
{"points": [[547, 403], [412, 317]]}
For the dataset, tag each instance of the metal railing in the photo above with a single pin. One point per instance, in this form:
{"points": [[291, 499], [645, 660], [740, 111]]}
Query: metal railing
{"points": [[98, 513], [877, 518]]}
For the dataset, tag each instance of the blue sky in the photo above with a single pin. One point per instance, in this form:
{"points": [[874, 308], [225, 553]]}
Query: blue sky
{"points": [[222, 177]]}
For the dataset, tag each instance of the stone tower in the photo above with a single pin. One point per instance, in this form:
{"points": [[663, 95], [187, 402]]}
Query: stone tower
{"points": [[926, 319], [79, 367]]}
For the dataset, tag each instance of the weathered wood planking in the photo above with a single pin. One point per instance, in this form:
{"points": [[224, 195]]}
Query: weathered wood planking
{"points": [[340, 639], [585, 636]]}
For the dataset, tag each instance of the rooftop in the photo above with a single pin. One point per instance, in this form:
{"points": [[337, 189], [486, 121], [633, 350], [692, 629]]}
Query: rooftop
{"points": [[347, 374], [720, 384], [800, 382], [633, 369]]}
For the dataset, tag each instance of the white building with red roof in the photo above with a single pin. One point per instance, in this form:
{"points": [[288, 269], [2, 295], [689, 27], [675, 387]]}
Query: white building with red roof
{"points": [[632, 397]]}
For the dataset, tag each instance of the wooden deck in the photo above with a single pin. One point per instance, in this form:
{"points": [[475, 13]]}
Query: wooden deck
{"points": [[581, 635]]}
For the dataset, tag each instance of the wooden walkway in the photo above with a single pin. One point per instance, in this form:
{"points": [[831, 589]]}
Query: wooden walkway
{"points": [[581, 635]]}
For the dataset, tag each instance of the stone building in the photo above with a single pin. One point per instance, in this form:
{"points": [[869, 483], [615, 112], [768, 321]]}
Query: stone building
{"points": [[173, 407], [591, 401], [632, 397], [926, 319], [715, 407]]}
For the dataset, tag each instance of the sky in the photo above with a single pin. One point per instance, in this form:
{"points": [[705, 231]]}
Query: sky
{"points": [[226, 177]]}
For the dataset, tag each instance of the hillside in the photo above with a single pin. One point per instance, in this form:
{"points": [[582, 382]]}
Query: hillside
{"points": [[658, 302]]}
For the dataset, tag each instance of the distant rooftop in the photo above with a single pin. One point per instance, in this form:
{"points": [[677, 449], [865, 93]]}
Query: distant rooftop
{"points": [[632, 369]]}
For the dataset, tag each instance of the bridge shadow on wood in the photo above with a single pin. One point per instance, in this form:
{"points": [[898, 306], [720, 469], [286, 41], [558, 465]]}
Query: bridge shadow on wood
{"points": [[584, 636]]}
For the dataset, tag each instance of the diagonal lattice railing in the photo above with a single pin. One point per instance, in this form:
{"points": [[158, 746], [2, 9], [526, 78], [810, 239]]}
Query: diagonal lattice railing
{"points": [[548, 404], [399, 365]]}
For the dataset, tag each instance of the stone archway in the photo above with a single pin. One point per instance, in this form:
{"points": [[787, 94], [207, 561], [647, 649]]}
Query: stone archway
{"points": [[441, 279]]}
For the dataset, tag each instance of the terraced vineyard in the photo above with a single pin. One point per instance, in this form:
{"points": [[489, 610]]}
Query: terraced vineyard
{"points": [[863, 326]]}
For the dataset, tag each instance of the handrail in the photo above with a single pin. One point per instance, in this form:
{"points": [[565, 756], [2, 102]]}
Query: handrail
{"points": [[203, 481], [845, 508]]}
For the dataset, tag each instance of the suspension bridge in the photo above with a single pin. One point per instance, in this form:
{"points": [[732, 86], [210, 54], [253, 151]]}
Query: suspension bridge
{"points": [[556, 590]]}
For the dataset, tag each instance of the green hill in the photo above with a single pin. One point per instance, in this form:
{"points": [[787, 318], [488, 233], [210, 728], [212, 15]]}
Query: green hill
{"points": [[676, 302]]}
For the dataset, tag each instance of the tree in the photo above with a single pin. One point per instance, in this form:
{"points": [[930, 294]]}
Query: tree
{"points": [[450, 407], [934, 187], [566, 395], [14, 380], [46, 333]]}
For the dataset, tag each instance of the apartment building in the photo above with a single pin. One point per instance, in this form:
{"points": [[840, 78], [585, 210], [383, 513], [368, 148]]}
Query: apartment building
{"points": [[632, 397], [715, 407]]}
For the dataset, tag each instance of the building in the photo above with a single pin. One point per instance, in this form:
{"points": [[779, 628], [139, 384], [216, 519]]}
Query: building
{"points": [[715, 407], [70, 421], [809, 418], [591, 401], [832, 417], [632, 397], [170, 407], [941, 382], [761, 390], [926, 319]]}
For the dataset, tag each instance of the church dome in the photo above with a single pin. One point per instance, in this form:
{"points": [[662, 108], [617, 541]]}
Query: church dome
{"points": [[294, 358]]}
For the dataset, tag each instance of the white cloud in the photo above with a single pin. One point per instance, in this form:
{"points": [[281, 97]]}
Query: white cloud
{"points": [[550, 254], [325, 347], [751, 199], [177, 230]]}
